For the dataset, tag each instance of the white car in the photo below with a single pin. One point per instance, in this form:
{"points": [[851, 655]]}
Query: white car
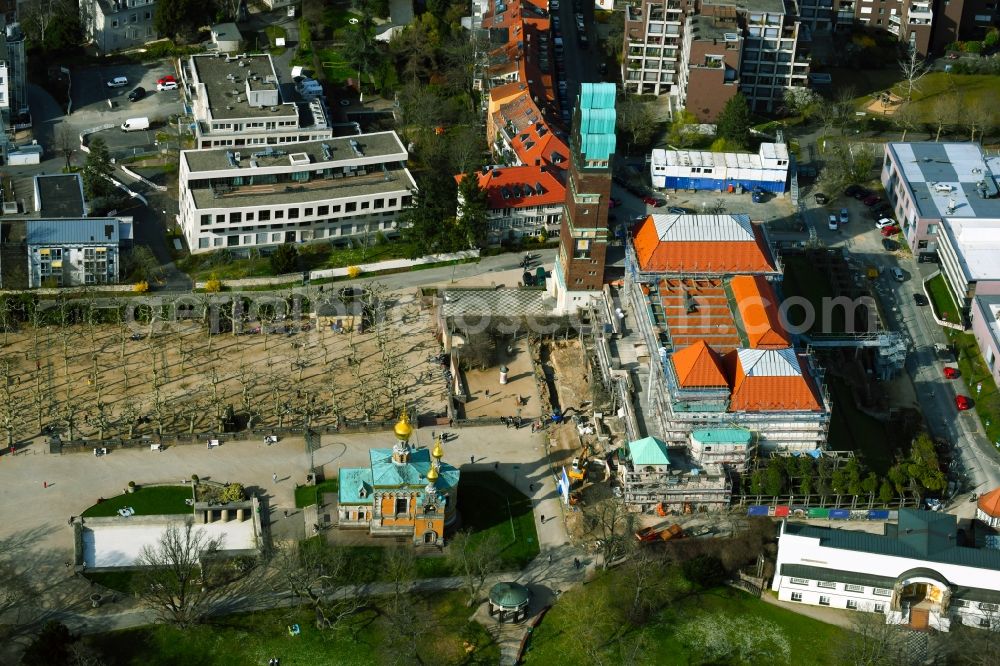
{"points": [[832, 222], [167, 85], [118, 82], [884, 222]]}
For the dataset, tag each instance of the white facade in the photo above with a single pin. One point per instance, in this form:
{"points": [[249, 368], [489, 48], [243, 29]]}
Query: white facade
{"points": [[916, 568], [236, 101], [67, 252], [113, 25], [696, 169], [334, 190]]}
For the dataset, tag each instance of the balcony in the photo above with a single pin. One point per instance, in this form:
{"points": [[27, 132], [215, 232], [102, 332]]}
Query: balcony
{"points": [[920, 14], [894, 20]]}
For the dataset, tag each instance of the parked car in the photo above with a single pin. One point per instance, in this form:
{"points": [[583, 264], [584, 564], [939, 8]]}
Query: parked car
{"points": [[963, 402], [821, 198], [832, 222], [889, 245], [169, 78], [757, 195], [898, 275], [852, 190], [845, 217], [861, 194], [920, 299], [871, 200], [677, 210], [951, 373], [890, 231], [653, 201], [137, 93], [118, 82], [167, 85], [885, 222]]}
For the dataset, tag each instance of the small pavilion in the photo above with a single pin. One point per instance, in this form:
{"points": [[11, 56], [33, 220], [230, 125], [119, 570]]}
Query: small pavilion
{"points": [[509, 602]]}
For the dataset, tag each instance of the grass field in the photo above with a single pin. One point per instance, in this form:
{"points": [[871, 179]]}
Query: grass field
{"points": [[336, 69], [558, 639], [250, 639], [168, 500], [972, 89], [309, 495], [275, 32], [942, 300], [490, 505]]}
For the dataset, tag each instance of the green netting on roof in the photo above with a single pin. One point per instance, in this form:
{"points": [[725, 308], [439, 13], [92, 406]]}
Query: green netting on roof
{"points": [[597, 121], [597, 96]]}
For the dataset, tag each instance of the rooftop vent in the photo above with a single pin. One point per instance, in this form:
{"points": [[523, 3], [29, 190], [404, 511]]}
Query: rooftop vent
{"points": [[327, 152], [231, 159], [298, 159], [356, 147]]}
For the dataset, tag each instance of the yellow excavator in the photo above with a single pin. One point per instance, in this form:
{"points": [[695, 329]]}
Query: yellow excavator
{"points": [[578, 470]]}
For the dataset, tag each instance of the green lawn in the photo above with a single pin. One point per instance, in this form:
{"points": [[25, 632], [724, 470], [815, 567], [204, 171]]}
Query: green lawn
{"points": [[146, 502], [120, 581], [558, 639], [853, 430], [251, 639], [941, 299], [974, 370], [309, 495], [336, 69], [973, 89], [490, 505], [273, 33]]}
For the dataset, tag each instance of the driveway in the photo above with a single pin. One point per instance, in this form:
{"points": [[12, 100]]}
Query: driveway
{"points": [[91, 95]]}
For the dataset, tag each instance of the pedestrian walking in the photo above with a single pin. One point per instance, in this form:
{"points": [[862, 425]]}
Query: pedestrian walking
{"points": [[531, 487], [576, 562], [496, 466], [274, 477], [487, 393], [542, 518], [45, 484], [472, 459], [550, 558], [286, 513]]}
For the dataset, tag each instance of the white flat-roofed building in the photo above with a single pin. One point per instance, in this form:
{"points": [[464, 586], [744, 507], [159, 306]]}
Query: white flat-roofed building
{"points": [[702, 170], [321, 190], [916, 573], [236, 101]]}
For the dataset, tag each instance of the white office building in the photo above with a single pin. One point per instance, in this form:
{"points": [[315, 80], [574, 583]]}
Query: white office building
{"points": [[236, 101], [333, 190], [916, 573]]}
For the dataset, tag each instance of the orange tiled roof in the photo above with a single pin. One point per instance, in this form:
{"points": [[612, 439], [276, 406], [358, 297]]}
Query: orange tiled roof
{"points": [[770, 380], [698, 366], [522, 184], [757, 305], [658, 252], [694, 309], [990, 503], [534, 142]]}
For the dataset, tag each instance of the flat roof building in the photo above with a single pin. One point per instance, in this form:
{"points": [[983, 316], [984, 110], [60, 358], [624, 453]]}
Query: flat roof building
{"points": [[236, 101], [334, 189]]}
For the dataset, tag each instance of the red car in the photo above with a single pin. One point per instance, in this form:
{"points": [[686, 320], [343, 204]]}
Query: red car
{"points": [[951, 373], [653, 201], [871, 200], [169, 78], [890, 231], [963, 402]]}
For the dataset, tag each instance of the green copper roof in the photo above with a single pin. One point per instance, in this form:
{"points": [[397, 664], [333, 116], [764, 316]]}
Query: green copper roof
{"points": [[387, 474], [597, 121], [351, 480], [920, 535], [718, 435], [509, 595], [648, 451]]}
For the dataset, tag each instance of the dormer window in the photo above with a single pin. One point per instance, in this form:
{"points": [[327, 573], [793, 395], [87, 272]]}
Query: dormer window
{"points": [[362, 491]]}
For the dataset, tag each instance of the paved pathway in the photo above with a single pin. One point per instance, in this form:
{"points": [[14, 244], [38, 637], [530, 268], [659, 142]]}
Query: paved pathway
{"points": [[841, 618]]}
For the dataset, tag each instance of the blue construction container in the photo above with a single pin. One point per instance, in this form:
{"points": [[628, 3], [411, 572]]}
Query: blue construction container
{"points": [[840, 514], [878, 514], [758, 510]]}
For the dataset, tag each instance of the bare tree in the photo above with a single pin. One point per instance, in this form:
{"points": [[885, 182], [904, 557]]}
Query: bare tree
{"points": [[613, 524], [978, 117], [179, 580], [913, 69], [475, 558], [17, 592], [905, 118], [67, 143], [11, 401], [311, 571], [946, 113], [872, 642]]}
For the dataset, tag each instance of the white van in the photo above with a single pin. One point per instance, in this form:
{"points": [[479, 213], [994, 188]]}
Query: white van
{"points": [[135, 124], [118, 82]]}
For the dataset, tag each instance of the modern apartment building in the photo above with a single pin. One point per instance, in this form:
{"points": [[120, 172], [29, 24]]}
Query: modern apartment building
{"points": [[917, 573], [700, 54], [335, 190], [523, 201], [68, 252], [114, 25], [236, 101]]}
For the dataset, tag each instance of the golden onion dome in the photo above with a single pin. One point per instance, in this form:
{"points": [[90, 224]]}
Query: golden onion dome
{"points": [[438, 452], [432, 474], [403, 428]]}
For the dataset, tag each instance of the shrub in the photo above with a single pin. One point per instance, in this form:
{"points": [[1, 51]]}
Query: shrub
{"points": [[353, 271], [214, 285], [973, 47], [194, 478], [233, 492], [140, 287], [131, 484]]}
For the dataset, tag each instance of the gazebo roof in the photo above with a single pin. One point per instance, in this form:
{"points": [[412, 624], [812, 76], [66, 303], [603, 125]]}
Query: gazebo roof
{"points": [[509, 595]]}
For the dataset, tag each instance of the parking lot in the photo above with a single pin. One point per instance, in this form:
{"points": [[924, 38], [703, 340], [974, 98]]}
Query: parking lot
{"points": [[91, 93]]}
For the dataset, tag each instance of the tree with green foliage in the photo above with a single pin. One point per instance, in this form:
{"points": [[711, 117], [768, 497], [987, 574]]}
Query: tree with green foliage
{"points": [[923, 465], [774, 477], [733, 123], [97, 171], [53, 645], [636, 120], [473, 210], [706, 571], [430, 223], [285, 259], [683, 132], [802, 101], [360, 48], [50, 25], [182, 18], [718, 638], [885, 493]]}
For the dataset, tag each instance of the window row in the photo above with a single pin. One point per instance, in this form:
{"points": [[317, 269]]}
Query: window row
{"points": [[848, 587], [290, 236], [237, 217]]}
